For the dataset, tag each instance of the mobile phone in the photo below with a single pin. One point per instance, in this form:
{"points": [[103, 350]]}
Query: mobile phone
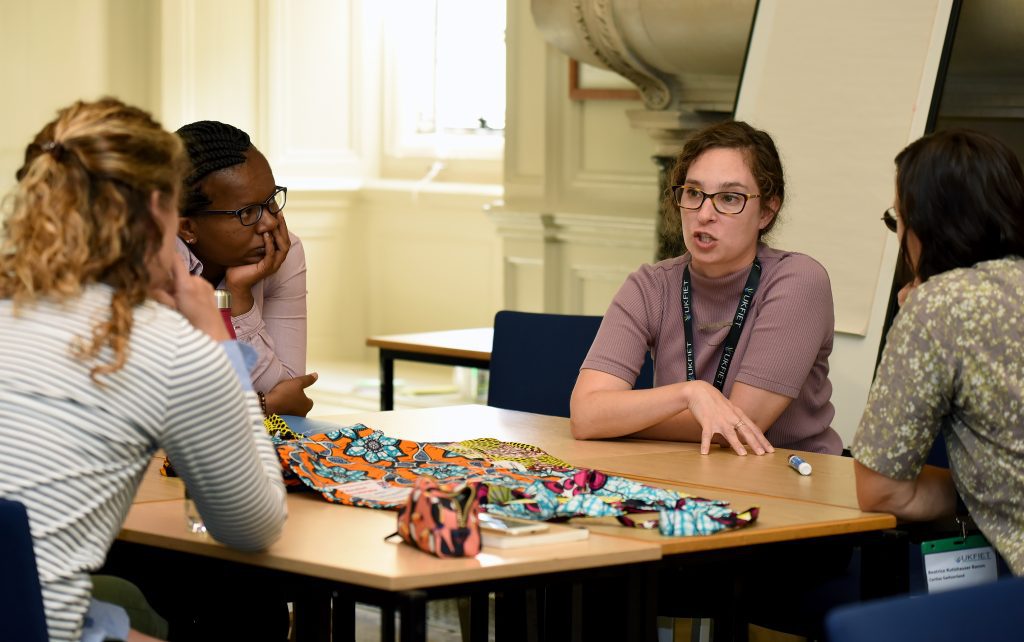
{"points": [[509, 526]]}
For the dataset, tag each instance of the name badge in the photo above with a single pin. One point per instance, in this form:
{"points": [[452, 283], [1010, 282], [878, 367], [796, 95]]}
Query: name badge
{"points": [[958, 562]]}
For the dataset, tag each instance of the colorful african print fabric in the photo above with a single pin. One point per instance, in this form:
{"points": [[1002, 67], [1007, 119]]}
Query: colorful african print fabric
{"points": [[360, 466], [508, 454]]}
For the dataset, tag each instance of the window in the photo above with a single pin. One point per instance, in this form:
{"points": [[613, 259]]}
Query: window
{"points": [[445, 86]]}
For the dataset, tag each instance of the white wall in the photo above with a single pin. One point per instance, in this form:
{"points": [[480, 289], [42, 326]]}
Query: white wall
{"points": [[54, 52], [841, 106]]}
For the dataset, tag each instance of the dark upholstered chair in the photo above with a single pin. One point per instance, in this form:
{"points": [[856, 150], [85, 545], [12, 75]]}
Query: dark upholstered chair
{"points": [[21, 599], [536, 358], [990, 612]]}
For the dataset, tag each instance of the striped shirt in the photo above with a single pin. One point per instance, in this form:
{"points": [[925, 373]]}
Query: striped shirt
{"points": [[73, 452]]}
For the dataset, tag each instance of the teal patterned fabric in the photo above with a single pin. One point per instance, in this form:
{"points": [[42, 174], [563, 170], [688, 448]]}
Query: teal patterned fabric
{"points": [[361, 466]]}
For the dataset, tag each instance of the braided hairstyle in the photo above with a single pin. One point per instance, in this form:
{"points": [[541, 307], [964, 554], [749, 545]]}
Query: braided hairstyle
{"points": [[80, 214], [212, 146]]}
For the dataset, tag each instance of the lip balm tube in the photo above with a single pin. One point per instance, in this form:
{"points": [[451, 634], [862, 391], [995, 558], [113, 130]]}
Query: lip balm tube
{"points": [[799, 465], [224, 303]]}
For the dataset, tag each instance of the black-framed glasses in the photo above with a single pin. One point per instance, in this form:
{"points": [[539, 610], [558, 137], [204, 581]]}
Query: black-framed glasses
{"points": [[689, 197], [889, 218], [251, 214]]}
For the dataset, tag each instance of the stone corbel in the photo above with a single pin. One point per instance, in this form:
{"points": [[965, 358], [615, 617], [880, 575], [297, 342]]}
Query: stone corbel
{"points": [[684, 57]]}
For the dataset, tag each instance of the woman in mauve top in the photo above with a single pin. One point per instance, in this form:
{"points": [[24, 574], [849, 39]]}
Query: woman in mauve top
{"points": [[750, 368]]}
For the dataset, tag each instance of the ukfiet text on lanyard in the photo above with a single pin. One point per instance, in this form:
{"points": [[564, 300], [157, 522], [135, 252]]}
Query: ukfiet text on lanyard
{"points": [[753, 279]]}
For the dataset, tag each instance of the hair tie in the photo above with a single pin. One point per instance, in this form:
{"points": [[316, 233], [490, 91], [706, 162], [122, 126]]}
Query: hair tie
{"points": [[53, 148]]}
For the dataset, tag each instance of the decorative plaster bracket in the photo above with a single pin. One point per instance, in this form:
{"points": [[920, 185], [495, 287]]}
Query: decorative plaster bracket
{"points": [[685, 57]]}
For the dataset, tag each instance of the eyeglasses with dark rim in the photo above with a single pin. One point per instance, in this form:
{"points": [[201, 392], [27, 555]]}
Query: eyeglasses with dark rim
{"points": [[689, 197], [889, 218], [250, 215]]}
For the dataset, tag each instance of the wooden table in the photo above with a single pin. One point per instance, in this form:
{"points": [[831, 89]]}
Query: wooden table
{"points": [[794, 506], [470, 348], [457, 423], [157, 488], [831, 482], [343, 549], [344, 546]]}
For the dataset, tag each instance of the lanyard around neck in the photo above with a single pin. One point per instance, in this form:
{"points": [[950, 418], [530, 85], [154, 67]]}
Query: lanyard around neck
{"points": [[734, 332]]}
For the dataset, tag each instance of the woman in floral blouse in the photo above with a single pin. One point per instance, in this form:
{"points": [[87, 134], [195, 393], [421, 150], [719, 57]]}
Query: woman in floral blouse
{"points": [[954, 359]]}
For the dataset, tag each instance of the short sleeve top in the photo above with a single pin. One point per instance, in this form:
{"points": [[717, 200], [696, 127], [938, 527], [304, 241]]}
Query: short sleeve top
{"points": [[784, 346], [954, 365]]}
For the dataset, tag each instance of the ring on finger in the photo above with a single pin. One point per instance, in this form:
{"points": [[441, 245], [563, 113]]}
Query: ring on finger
{"points": [[737, 425]]}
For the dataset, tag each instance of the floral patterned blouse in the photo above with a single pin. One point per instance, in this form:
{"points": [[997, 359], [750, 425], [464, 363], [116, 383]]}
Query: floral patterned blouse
{"points": [[954, 364]]}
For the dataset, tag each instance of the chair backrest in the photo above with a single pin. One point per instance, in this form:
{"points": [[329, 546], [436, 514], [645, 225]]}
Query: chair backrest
{"points": [[990, 612], [535, 359], [21, 600]]}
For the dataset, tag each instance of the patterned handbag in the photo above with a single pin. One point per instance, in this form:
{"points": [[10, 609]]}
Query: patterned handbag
{"points": [[441, 519]]}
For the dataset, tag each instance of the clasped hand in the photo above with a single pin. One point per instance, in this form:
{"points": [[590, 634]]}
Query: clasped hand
{"points": [[289, 397], [721, 420]]}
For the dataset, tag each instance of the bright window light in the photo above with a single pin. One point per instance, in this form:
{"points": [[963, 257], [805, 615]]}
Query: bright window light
{"points": [[446, 78]]}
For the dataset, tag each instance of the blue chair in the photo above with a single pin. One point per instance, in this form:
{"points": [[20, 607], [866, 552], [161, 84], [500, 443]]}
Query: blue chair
{"points": [[21, 599], [535, 359], [990, 612]]}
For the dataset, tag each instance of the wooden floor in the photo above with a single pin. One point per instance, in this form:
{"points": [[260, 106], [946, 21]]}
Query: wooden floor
{"points": [[352, 386], [442, 622]]}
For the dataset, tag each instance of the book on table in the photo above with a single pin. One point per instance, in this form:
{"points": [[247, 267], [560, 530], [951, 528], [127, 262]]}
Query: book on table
{"points": [[554, 534]]}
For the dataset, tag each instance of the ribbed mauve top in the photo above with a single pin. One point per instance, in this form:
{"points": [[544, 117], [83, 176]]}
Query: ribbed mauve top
{"points": [[784, 348]]}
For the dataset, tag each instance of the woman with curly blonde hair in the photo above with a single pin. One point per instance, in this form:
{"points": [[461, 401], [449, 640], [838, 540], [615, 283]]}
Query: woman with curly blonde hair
{"points": [[111, 350]]}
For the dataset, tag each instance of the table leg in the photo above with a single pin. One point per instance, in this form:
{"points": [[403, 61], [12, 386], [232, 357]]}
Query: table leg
{"points": [[387, 623], [413, 610], [387, 381], [642, 602], [313, 617], [343, 618], [561, 612], [885, 561], [474, 617]]}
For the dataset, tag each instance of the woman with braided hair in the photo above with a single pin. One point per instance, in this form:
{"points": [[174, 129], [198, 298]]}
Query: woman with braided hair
{"points": [[233, 233], [110, 351]]}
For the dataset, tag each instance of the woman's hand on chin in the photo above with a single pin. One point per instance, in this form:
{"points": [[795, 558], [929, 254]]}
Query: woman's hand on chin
{"points": [[193, 297], [276, 244]]}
